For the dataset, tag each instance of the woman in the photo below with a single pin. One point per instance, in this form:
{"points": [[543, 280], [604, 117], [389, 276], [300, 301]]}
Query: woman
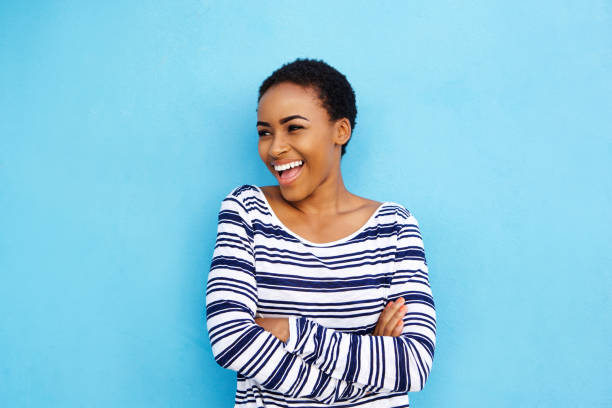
{"points": [[315, 295]]}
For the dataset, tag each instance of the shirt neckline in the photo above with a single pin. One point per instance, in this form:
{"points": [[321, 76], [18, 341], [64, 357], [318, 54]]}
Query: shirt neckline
{"points": [[320, 244]]}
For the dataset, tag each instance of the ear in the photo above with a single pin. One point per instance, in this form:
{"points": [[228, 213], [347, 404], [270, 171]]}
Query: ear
{"points": [[343, 131]]}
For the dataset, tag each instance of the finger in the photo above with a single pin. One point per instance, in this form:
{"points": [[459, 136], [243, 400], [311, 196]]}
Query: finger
{"points": [[383, 318], [401, 312], [398, 328], [386, 317], [398, 317], [380, 322], [389, 320], [391, 329]]}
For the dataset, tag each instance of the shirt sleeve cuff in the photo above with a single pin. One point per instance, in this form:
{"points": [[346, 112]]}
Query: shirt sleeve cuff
{"points": [[292, 341]]}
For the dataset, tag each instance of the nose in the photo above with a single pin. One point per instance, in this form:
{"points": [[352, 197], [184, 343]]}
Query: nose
{"points": [[278, 146]]}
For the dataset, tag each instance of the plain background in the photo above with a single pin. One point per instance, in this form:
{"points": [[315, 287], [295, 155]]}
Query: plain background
{"points": [[124, 124]]}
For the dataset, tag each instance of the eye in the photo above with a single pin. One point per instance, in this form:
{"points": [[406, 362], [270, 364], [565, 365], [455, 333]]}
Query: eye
{"points": [[295, 127], [262, 132]]}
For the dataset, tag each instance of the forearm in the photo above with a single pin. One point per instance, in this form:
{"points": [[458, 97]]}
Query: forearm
{"points": [[240, 344], [379, 363]]}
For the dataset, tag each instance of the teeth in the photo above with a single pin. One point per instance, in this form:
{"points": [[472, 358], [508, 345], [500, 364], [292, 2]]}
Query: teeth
{"points": [[288, 165]]}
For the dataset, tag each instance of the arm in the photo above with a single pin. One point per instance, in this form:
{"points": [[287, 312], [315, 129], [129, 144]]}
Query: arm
{"points": [[238, 343], [390, 322], [390, 364]]}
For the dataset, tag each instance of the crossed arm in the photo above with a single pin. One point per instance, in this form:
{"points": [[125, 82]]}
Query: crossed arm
{"points": [[238, 342], [380, 363], [317, 362], [390, 322]]}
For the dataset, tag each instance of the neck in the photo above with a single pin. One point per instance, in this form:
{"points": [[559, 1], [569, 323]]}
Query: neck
{"points": [[329, 198]]}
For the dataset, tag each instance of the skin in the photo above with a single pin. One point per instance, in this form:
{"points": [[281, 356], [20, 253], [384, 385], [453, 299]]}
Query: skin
{"points": [[317, 205]]}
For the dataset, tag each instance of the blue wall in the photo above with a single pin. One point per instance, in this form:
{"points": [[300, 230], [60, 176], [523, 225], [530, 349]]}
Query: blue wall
{"points": [[123, 125]]}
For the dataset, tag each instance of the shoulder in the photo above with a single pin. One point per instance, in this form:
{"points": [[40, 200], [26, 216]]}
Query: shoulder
{"points": [[237, 198], [402, 217], [407, 233], [398, 210], [242, 191], [242, 199]]}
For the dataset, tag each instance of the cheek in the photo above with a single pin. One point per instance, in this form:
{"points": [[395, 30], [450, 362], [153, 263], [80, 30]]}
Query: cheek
{"points": [[320, 150], [262, 149]]}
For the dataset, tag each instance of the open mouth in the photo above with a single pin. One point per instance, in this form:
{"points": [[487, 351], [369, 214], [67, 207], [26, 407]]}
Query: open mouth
{"points": [[288, 175]]}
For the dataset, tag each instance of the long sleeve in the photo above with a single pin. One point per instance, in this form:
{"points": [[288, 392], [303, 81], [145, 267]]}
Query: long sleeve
{"points": [[240, 344], [381, 363]]}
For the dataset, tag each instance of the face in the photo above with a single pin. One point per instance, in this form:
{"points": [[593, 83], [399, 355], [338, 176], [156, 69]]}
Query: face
{"points": [[293, 126]]}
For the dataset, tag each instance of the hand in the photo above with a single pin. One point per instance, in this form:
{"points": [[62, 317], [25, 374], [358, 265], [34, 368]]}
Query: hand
{"points": [[391, 319], [278, 326]]}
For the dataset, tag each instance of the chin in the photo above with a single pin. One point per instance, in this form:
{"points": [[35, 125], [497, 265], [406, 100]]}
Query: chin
{"points": [[291, 194]]}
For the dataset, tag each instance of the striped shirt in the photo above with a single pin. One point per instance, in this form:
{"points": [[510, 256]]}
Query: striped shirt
{"points": [[332, 294]]}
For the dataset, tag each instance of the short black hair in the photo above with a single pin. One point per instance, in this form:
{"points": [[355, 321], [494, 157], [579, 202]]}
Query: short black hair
{"points": [[334, 90]]}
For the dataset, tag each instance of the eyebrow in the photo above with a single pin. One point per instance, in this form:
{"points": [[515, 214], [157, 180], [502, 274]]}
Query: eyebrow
{"points": [[283, 120]]}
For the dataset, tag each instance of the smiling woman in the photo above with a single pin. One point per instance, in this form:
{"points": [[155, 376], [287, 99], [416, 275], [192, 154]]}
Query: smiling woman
{"points": [[310, 136], [315, 295]]}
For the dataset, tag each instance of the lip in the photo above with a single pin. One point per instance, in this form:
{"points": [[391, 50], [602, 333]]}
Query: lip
{"points": [[289, 181]]}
